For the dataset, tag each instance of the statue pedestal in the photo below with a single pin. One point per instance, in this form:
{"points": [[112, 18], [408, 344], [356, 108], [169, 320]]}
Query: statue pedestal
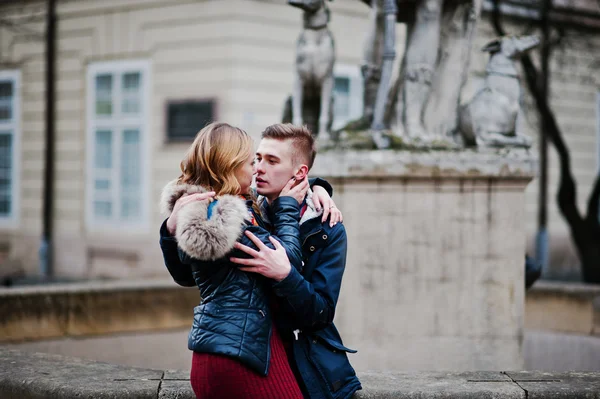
{"points": [[435, 270]]}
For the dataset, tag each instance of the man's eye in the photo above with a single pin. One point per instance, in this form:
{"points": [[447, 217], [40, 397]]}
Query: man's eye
{"points": [[272, 162]]}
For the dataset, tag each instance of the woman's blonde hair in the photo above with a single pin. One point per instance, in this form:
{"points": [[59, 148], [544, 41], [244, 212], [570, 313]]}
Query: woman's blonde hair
{"points": [[217, 152]]}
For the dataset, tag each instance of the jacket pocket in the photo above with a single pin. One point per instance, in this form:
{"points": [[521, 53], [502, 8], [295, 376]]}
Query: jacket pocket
{"points": [[330, 359]]}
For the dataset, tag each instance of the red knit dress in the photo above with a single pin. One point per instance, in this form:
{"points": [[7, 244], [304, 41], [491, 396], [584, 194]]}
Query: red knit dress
{"points": [[216, 376]]}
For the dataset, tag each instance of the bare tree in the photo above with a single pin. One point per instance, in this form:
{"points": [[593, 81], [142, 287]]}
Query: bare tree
{"points": [[585, 229]]}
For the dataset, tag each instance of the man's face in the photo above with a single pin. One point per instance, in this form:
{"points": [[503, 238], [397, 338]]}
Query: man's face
{"points": [[274, 167]]}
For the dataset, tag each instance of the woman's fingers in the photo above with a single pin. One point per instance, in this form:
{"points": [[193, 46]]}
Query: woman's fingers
{"points": [[335, 216], [316, 200], [193, 197], [326, 210]]}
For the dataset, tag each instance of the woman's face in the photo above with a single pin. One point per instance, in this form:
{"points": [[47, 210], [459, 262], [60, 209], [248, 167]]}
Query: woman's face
{"points": [[245, 172]]}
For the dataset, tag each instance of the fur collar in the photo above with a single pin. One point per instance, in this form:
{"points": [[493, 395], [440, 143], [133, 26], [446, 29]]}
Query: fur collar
{"points": [[310, 212], [199, 237]]}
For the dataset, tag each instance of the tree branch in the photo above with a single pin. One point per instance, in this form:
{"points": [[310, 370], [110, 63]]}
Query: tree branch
{"points": [[496, 14], [594, 202]]}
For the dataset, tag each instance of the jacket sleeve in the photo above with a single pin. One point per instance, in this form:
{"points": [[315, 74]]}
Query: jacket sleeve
{"points": [[181, 273], [285, 217], [311, 304], [317, 181]]}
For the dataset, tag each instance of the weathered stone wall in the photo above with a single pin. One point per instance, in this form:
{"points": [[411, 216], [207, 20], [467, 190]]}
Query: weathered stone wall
{"points": [[434, 275], [34, 313]]}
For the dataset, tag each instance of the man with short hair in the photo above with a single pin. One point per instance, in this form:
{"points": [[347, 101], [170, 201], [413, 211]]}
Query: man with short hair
{"points": [[305, 299]]}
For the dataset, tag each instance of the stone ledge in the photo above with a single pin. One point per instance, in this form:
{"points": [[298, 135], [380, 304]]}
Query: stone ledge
{"points": [[563, 307], [27, 375], [76, 309], [575, 290], [519, 165]]}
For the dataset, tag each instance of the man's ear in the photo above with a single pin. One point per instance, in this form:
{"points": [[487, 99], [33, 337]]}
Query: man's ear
{"points": [[301, 172]]}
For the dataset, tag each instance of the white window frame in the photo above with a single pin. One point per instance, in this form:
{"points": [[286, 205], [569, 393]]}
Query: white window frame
{"points": [[352, 72], [12, 220], [119, 67]]}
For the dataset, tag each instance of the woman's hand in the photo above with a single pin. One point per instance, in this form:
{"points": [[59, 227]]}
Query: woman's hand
{"points": [[296, 189], [321, 199], [180, 203]]}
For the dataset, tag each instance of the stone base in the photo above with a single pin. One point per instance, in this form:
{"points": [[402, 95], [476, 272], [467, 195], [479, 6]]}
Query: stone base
{"points": [[435, 270]]}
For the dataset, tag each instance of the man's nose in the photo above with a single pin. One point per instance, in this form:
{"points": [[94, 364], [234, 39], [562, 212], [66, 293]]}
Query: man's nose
{"points": [[259, 167]]}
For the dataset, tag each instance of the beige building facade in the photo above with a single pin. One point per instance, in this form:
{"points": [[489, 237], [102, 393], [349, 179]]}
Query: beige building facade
{"points": [[124, 66]]}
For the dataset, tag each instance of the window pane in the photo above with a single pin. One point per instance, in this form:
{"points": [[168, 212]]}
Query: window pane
{"points": [[5, 173], [131, 93], [342, 99], [131, 104], [102, 184], [102, 210], [6, 97], [103, 149], [104, 94], [342, 85], [131, 81], [130, 175]]}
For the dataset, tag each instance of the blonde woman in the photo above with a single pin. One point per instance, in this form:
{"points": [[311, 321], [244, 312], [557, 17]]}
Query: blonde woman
{"points": [[237, 349]]}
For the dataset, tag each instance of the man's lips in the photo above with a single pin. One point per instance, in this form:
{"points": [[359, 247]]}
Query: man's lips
{"points": [[260, 181]]}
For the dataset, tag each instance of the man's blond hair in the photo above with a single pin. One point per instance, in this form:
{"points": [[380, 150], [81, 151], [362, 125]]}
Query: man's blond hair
{"points": [[303, 147]]}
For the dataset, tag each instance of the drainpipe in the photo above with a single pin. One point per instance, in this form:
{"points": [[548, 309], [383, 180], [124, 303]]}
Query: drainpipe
{"points": [[46, 245], [542, 234]]}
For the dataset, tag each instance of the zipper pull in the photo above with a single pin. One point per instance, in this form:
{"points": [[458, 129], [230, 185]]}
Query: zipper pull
{"points": [[296, 332], [262, 313]]}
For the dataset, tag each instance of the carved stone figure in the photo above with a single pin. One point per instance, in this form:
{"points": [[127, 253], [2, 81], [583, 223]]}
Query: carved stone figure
{"points": [[434, 68], [490, 118], [315, 57]]}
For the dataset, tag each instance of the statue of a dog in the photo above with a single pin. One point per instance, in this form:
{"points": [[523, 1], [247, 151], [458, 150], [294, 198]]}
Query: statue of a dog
{"points": [[490, 119], [315, 57]]}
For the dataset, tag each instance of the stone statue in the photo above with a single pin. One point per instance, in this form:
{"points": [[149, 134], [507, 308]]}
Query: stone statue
{"points": [[433, 71], [312, 98], [490, 118]]}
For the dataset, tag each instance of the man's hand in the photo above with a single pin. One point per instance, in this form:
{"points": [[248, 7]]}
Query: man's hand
{"points": [[296, 189], [322, 199], [180, 203], [273, 264]]}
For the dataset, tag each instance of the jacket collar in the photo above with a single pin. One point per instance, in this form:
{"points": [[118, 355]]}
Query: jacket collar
{"points": [[197, 235]]}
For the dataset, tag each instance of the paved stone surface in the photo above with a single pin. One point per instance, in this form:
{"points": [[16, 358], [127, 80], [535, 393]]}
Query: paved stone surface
{"points": [[176, 390], [26, 375], [475, 385], [574, 384], [38, 375]]}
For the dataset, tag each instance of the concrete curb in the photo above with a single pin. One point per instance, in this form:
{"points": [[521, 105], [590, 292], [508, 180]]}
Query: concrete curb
{"points": [[25, 375]]}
